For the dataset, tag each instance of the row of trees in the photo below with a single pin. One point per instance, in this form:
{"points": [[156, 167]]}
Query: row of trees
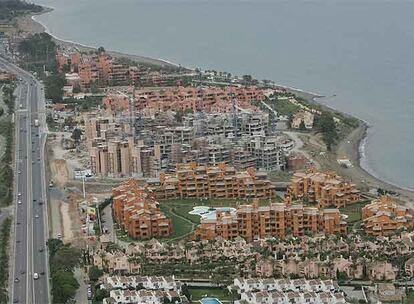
{"points": [[6, 131], [4, 259], [63, 258]]}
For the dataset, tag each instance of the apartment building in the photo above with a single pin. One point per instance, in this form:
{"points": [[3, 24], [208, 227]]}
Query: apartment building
{"points": [[325, 189], [137, 212], [93, 68], [252, 222], [384, 216], [268, 153], [210, 99], [221, 181]]}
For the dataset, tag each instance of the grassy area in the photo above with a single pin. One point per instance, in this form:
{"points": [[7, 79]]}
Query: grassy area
{"points": [[219, 293], [283, 106], [354, 211], [410, 298], [280, 176], [181, 226]]}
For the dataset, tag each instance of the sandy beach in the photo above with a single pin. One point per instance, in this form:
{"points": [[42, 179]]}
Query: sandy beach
{"points": [[349, 147]]}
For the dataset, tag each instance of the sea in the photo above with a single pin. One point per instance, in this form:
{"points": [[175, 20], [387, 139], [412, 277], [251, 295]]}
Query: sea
{"points": [[359, 54]]}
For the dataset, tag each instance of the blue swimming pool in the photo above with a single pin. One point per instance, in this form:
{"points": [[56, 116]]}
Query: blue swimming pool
{"points": [[209, 301]]}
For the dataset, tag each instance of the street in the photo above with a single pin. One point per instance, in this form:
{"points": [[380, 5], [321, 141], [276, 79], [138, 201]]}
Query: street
{"points": [[30, 261]]}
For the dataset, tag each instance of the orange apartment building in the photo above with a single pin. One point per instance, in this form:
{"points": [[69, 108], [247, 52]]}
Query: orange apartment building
{"points": [[279, 220], [326, 189], [187, 98], [94, 68], [384, 216], [138, 213], [221, 181]]}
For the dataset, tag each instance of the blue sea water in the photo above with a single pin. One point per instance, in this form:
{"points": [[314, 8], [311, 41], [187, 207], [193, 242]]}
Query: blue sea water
{"points": [[359, 51]]}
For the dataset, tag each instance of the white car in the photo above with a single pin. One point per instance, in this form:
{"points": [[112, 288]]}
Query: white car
{"points": [[35, 276], [19, 202], [19, 194]]}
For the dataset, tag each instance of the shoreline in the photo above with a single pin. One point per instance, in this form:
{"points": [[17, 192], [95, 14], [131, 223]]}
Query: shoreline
{"points": [[357, 137]]}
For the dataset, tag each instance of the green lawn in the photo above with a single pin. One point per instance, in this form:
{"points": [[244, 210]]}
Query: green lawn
{"points": [[280, 176], [181, 227], [199, 293], [354, 211], [410, 298]]}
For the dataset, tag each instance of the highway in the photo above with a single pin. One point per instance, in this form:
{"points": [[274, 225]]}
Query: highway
{"points": [[30, 221]]}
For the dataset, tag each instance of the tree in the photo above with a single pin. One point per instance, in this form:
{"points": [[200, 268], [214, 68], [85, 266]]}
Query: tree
{"points": [[186, 292], [76, 135], [94, 273], [54, 87], [302, 126], [327, 127], [64, 286], [101, 294], [54, 245], [66, 258]]}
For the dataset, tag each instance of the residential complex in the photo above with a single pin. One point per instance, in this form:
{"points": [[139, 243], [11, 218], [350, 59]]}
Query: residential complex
{"points": [[252, 222], [285, 291], [119, 147], [325, 189], [384, 216], [141, 290], [221, 181], [138, 213], [84, 71], [206, 99]]}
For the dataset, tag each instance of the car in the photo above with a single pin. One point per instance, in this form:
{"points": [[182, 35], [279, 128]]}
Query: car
{"points": [[16, 301], [22, 272], [16, 280], [42, 273], [18, 223], [20, 172], [35, 276], [19, 194], [41, 249], [18, 241], [19, 202], [40, 203], [37, 216]]}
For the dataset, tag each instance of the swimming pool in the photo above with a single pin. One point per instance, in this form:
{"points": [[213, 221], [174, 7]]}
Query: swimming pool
{"points": [[210, 214], [209, 301]]}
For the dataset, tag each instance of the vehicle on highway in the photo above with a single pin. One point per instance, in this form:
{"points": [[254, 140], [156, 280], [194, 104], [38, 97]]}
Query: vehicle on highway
{"points": [[19, 202], [19, 194], [37, 216], [35, 276], [41, 249], [16, 280], [20, 172]]}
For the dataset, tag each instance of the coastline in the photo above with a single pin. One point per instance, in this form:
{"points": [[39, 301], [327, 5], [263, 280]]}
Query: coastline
{"points": [[29, 24], [351, 147]]}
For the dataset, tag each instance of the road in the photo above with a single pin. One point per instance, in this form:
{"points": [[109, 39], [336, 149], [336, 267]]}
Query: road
{"points": [[31, 223]]}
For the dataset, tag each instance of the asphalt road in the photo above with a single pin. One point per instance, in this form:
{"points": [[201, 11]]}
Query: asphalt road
{"points": [[31, 230]]}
